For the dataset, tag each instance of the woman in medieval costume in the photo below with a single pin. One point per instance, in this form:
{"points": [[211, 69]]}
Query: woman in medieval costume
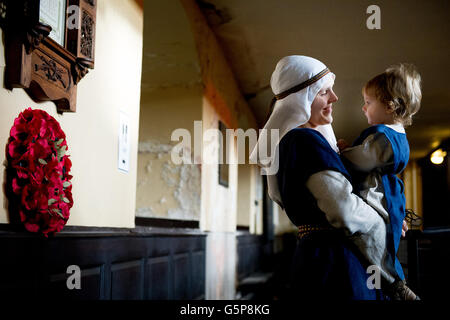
{"points": [[340, 236]]}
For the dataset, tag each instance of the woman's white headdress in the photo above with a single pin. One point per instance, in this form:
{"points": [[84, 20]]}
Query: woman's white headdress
{"points": [[295, 83]]}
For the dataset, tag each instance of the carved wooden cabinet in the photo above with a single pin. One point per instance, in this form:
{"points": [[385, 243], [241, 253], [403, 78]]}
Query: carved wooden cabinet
{"points": [[49, 47]]}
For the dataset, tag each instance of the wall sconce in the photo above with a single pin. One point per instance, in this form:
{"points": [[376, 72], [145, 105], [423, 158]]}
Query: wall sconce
{"points": [[438, 156]]}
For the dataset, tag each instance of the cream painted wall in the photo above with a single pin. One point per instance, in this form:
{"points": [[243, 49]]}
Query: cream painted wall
{"points": [[171, 99], [175, 93], [250, 205], [164, 189], [412, 178], [103, 196], [281, 222], [219, 82], [170, 55], [218, 203], [256, 201], [244, 195], [222, 100]]}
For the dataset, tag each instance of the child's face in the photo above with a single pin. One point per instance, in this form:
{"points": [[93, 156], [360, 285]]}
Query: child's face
{"points": [[375, 111]]}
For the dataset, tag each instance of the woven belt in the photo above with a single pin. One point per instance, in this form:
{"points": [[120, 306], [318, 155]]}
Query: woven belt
{"points": [[307, 229]]}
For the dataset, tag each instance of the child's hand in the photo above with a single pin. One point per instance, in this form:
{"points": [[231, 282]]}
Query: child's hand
{"points": [[404, 228], [342, 144]]}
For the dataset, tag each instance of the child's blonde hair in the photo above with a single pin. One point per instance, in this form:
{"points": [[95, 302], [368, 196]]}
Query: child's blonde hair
{"points": [[399, 88]]}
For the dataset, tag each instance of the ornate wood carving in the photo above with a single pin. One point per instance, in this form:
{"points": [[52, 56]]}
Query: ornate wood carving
{"points": [[51, 71], [87, 35], [81, 42], [79, 71], [91, 2], [35, 35], [37, 63]]}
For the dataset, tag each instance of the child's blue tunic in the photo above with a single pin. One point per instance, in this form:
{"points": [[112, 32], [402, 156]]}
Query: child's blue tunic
{"points": [[393, 186], [326, 264]]}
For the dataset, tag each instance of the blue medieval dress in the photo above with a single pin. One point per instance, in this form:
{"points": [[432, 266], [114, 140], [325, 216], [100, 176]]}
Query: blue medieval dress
{"points": [[326, 264], [377, 156]]}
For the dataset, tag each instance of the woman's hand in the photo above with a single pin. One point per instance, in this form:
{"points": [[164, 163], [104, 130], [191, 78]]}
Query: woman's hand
{"points": [[342, 144], [404, 228]]}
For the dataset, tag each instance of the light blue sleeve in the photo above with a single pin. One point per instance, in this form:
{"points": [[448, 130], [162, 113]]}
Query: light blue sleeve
{"points": [[375, 152]]}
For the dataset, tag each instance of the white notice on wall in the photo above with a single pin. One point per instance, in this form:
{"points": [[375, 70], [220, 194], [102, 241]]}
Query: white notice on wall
{"points": [[53, 13], [124, 142]]}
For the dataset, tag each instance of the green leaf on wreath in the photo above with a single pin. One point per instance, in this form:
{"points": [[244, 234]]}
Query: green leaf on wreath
{"points": [[61, 152], [66, 184], [42, 161], [66, 200], [59, 141], [58, 212], [51, 201]]}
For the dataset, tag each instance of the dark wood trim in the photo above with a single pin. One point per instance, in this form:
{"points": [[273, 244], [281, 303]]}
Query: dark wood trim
{"points": [[17, 230], [166, 223], [243, 228], [436, 230]]}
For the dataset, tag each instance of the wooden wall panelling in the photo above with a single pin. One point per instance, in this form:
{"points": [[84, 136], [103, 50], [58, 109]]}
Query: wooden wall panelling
{"points": [[249, 249], [198, 269], [181, 276], [18, 268], [92, 285], [428, 258], [127, 280], [158, 278], [89, 254], [112, 267]]}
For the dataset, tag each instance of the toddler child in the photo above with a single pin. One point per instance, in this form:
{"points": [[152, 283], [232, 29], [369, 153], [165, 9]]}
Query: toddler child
{"points": [[380, 153]]}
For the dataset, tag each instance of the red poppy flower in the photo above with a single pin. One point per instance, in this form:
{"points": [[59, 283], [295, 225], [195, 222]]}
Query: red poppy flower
{"points": [[14, 149], [16, 186], [32, 227], [41, 179]]}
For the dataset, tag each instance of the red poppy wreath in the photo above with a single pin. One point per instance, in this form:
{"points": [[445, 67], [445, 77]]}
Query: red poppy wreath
{"points": [[38, 170]]}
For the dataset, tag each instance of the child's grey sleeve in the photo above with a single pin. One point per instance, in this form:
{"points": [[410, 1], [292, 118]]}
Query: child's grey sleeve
{"points": [[345, 210], [375, 152]]}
